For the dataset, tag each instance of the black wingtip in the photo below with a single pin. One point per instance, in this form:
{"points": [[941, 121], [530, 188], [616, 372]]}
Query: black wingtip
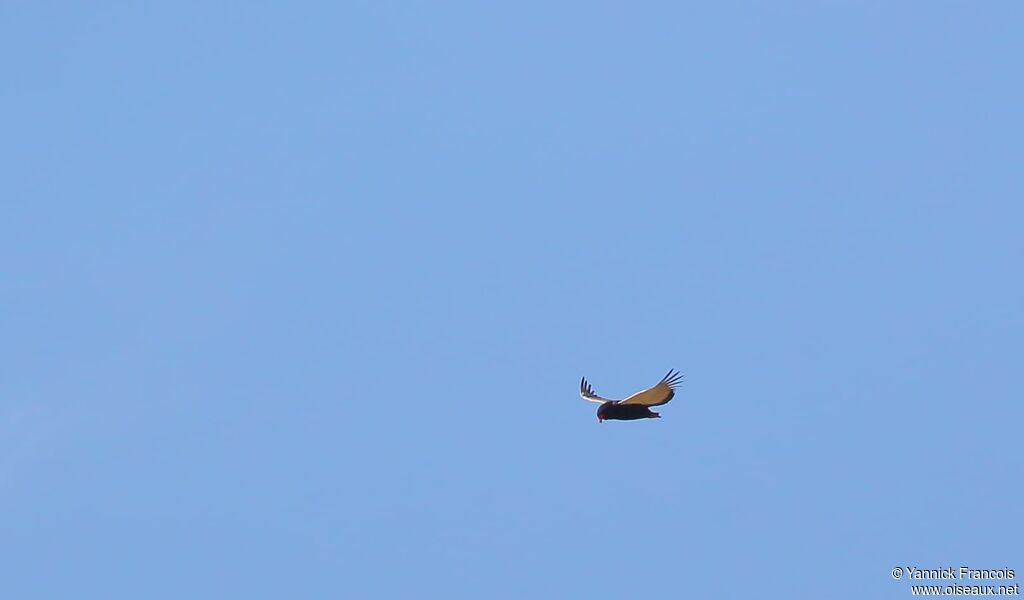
{"points": [[672, 378]]}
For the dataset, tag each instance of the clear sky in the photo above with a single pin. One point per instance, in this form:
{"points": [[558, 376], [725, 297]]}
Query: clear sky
{"points": [[296, 297]]}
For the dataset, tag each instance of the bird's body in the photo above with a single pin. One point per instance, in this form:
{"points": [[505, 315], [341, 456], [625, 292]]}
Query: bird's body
{"points": [[636, 406], [614, 411]]}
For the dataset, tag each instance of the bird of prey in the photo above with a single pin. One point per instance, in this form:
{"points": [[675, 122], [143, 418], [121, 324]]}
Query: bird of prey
{"points": [[636, 406]]}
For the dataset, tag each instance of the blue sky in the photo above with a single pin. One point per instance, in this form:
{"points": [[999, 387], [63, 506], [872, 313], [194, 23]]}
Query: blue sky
{"points": [[296, 298]]}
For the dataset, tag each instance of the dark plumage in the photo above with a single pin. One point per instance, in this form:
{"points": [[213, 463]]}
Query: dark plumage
{"points": [[613, 411]]}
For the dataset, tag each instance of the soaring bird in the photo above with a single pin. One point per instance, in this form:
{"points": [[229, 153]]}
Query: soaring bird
{"points": [[637, 405]]}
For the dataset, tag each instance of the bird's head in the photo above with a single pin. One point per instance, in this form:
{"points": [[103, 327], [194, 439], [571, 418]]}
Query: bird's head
{"points": [[602, 411]]}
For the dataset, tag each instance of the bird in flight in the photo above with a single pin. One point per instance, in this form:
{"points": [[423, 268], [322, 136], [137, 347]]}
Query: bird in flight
{"points": [[636, 406]]}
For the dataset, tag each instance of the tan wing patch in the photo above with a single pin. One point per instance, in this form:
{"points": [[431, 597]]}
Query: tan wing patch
{"points": [[659, 394]]}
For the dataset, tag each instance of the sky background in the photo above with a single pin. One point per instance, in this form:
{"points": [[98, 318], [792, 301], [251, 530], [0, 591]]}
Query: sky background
{"points": [[296, 297]]}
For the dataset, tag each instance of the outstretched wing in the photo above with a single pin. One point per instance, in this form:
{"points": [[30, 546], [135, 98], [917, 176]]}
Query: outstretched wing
{"points": [[587, 392], [659, 394]]}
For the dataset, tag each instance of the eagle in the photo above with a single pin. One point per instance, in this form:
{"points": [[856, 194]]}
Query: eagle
{"points": [[636, 406]]}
